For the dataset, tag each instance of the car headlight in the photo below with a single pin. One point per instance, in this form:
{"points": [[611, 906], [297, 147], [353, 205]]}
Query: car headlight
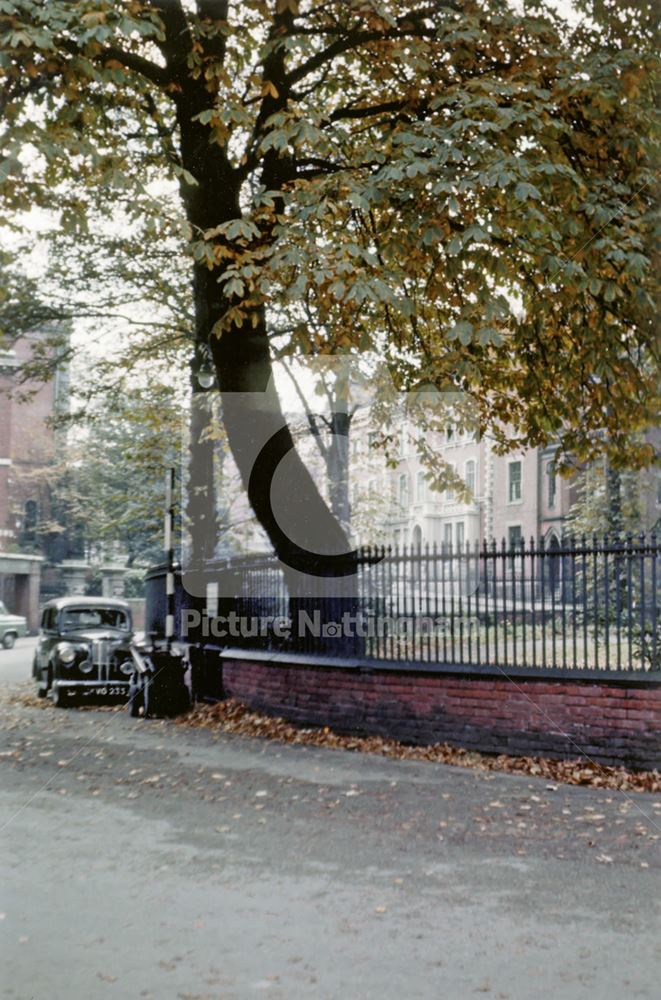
{"points": [[126, 667], [66, 653]]}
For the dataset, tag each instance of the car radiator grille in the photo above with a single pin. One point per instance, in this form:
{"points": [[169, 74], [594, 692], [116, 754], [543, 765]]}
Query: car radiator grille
{"points": [[101, 650]]}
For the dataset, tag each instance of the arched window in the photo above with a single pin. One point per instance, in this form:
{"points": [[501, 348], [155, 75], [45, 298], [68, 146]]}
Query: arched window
{"points": [[421, 486], [552, 561], [416, 540], [30, 518]]}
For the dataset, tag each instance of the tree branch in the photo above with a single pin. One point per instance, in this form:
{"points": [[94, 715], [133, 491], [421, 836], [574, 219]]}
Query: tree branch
{"points": [[150, 70], [178, 41], [410, 25], [374, 109], [311, 418]]}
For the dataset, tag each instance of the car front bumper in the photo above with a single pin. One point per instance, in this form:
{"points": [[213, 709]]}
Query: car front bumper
{"points": [[92, 688]]}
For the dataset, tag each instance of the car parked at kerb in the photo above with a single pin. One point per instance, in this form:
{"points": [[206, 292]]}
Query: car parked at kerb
{"points": [[12, 627], [84, 649]]}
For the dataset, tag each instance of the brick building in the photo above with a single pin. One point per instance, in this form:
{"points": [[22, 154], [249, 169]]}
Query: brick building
{"points": [[28, 445]]}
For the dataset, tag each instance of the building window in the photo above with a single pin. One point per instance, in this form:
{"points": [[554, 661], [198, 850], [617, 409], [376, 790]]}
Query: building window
{"points": [[447, 535], [403, 442], [397, 537], [421, 486], [404, 491], [551, 484], [31, 514], [514, 482], [470, 476], [449, 434], [449, 492], [30, 518], [514, 536], [460, 535]]}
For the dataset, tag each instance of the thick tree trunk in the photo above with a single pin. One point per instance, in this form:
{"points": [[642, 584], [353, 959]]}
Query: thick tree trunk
{"points": [[306, 536], [290, 509]]}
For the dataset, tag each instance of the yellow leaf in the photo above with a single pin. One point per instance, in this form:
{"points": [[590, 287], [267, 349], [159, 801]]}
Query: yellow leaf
{"points": [[268, 89]]}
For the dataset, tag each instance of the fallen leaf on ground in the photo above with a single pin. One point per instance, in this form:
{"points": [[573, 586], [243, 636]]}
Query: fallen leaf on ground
{"points": [[232, 716]]}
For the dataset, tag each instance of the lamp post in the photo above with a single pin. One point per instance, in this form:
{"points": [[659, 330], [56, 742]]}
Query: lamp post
{"points": [[201, 502]]}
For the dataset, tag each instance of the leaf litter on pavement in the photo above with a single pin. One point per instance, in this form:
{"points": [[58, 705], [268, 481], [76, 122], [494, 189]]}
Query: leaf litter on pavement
{"points": [[233, 717]]}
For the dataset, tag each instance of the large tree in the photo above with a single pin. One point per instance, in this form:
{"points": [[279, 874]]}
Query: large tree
{"points": [[466, 187]]}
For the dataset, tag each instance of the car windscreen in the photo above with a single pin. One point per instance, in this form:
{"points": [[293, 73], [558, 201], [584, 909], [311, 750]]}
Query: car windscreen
{"points": [[73, 619]]}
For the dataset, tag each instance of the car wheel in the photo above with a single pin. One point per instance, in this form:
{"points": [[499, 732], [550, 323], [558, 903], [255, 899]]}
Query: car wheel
{"points": [[8, 640], [61, 698], [42, 687]]}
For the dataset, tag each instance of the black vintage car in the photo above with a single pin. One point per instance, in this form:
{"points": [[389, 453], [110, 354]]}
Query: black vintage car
{"points": [[84, 649]]}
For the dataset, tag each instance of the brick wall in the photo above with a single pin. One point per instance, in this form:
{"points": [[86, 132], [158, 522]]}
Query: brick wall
{"points": [[612, 722]]}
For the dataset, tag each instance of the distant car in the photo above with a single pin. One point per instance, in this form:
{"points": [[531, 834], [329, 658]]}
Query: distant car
{"points": [[84, 649], [12, 627]]}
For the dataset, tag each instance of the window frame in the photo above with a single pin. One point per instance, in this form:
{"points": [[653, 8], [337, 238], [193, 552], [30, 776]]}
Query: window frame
{"points": [[404, 480], [551, 484], [519, 543], [473, 463], [510, 466]]}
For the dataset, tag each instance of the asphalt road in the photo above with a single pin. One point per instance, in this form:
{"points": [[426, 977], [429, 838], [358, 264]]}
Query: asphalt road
{"points": [[16, 663], [150, 860]]}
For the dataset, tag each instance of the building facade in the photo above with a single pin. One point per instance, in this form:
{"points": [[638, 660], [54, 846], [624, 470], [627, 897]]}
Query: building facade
{"points": [[28, 445], [456, 491], [510, 498]]}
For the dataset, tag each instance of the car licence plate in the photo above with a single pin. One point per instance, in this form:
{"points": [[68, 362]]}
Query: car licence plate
{"points": [[106, 691]]}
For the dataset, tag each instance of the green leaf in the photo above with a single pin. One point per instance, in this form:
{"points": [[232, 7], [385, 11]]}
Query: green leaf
{"points": [[456, 245], [523, 191], [462, 331]]}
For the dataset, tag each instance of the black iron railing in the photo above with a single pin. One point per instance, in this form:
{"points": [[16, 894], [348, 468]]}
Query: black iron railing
{"points": [[588, 605]]}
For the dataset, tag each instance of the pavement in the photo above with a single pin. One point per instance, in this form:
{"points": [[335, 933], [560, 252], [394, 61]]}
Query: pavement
{"points": [[145, 859]]}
